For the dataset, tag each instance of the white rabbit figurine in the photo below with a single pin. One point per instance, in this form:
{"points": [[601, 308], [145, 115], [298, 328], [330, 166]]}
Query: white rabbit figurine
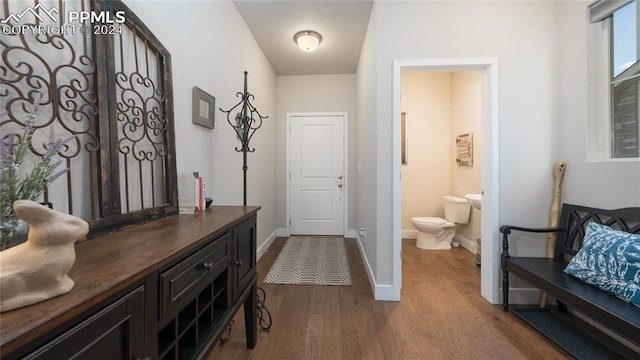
{"points": [[36, 270]]}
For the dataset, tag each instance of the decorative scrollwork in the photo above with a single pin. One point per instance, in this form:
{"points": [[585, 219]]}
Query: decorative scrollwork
{"points": [[245, 124], [60, 69], [225, 335], [141, 117], [50, 65], [247, 120], [263, 321]]}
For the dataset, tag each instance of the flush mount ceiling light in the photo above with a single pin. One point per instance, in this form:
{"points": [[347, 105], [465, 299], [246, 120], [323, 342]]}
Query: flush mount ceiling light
{"points": [[307, 40]]}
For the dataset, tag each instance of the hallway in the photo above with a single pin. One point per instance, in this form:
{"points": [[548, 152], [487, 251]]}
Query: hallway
{"points": [[441, 316]]}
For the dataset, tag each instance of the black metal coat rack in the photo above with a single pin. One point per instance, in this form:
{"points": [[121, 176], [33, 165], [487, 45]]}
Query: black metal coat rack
{"points": [[245, 123]]}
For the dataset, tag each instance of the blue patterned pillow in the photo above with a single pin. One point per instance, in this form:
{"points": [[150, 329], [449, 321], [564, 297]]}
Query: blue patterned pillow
{"points": [[610, 260]]}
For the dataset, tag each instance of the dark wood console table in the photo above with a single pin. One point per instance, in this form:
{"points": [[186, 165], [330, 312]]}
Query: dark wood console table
{"points": [[161, 290]]}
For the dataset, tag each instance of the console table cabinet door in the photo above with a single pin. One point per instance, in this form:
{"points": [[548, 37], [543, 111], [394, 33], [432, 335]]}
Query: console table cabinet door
{"points": [[244, 259], [116, 332]]}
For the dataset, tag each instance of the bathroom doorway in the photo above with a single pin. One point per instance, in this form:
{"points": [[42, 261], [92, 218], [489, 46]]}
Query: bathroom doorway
{"points": [[441, 133], [487, 140]]}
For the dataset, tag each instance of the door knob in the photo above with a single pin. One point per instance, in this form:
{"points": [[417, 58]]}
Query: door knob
{"points": [[339, 177], [339, 185]]}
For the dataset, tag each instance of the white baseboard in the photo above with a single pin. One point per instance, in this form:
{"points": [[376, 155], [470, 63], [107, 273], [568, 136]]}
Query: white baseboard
{"points": [[367, 266], [464, 242], [380, 292], [384, 293], [352, 234], [467, 244], [266, 244]]}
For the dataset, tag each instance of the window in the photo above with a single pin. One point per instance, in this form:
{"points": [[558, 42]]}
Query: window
{"points": [[613, 129], [625, 82]]}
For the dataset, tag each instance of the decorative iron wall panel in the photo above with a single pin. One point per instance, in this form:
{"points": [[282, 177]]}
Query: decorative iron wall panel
{"points": [[141, 121], [59, 66], [108, 87]]}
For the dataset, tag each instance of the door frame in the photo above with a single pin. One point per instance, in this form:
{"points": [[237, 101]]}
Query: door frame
{"points": [[490, 175], [345, 164]]}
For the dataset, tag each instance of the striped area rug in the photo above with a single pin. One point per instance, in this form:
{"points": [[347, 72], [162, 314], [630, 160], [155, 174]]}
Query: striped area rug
{"points": [[311, 261]]}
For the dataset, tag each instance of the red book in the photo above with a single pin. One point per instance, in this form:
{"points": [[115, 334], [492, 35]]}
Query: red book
{"points": [[200, 192]]}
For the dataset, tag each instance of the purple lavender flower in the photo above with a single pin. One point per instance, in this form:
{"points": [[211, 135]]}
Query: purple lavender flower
{"points": [[55, 145], [53, 177], [36, 102], [16, 184]]}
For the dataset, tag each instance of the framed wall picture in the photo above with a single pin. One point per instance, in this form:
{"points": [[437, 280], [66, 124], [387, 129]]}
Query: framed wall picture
{"points": [[204, 108], [464, 147]]}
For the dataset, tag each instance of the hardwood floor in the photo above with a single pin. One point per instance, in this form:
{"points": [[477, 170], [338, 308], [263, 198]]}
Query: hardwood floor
{"points": [[441, 316]]}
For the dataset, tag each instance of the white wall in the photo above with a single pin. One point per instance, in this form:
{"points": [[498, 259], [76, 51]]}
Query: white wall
{"points": [[211, 47], [315, 93], [612, 184], [367, 170], [541, 47]]}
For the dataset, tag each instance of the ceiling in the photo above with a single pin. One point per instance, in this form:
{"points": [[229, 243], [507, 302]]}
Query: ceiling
{"points": [[342, 24]]}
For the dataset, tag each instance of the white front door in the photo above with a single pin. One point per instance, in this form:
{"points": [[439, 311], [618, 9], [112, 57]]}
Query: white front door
{"points": [[317, 174]]}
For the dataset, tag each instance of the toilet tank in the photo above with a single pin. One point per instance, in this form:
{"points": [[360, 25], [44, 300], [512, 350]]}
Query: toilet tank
{"points": [[456, 209]]}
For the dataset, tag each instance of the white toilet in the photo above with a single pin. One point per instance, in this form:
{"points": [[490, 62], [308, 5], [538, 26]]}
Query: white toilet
{"points": [[435, 233]]}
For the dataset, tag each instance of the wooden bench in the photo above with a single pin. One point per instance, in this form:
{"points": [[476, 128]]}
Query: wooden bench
{"points": [[547, 274]]}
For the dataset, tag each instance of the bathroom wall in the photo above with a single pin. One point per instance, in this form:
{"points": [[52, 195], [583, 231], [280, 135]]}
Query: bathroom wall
{"points": [[440, 106], [426, 98], [465, 118]]}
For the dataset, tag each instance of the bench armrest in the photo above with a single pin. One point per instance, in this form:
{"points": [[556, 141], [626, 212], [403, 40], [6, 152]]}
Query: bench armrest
{"points": [[506, 230]]}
